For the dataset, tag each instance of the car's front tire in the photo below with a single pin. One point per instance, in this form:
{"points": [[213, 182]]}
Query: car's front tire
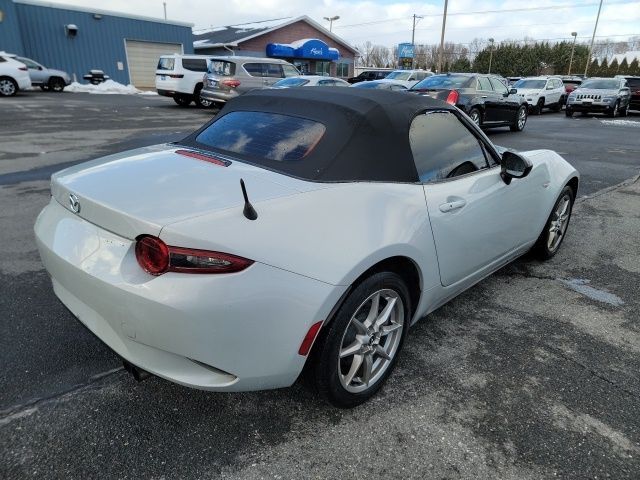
{"points": [[555, 229], [537, 110], [8, 87], [568, 112], [616, 110], [358, 350], [521, 119]]}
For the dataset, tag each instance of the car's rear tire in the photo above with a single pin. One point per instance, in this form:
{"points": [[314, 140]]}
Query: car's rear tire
{"points": [[56, 84], [521, 119], [8, 87], [476, 116], [555, 229], [182, 100], [357, 351]]}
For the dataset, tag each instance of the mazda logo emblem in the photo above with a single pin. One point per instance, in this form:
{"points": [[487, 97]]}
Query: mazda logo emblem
{"points": [[74, 203]]}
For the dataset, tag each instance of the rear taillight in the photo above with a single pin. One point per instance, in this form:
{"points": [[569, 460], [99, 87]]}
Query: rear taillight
{"points": [[231, 83], [152, 255], [156, 258], [24, 69], [452, 98], [176, 75]]}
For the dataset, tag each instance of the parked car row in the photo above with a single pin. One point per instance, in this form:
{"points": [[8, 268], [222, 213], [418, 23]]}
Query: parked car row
{"points": [[20, 73]]}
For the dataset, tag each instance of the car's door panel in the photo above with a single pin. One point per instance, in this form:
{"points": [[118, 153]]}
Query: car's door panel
{"points": [[505, 104], [489, 99], [487, 219]]}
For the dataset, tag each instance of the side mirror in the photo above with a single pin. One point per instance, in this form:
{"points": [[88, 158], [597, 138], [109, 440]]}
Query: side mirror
{"points": [[39, 68], [514, 166], [513, 91]]}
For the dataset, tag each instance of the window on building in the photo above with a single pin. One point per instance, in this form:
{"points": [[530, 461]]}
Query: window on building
{"points": [[342, 70], [443, 147], [323, 68]]}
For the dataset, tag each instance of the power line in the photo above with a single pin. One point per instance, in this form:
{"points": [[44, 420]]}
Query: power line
{"points": [[480, 27], [483, 12]]}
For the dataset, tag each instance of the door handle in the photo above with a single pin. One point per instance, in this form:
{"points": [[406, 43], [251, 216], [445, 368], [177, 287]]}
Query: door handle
{"points": [[451, 206], [484, 96]]}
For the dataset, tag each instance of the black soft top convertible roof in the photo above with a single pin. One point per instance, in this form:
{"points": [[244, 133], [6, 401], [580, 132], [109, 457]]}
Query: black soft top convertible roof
{"points": [[366, 137]]}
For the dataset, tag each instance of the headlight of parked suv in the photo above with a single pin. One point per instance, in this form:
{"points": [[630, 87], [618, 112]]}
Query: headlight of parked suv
{"points": [[608, 99]]}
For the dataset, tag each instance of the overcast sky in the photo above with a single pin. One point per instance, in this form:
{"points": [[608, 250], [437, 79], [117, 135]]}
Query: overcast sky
{"points": [[389, 22]]}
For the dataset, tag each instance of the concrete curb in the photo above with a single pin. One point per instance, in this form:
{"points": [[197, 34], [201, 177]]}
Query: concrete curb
{"points": [[605, 190]]}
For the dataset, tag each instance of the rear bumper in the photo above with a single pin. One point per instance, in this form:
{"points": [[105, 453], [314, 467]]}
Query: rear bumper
{"points": [[24, 82], [166, 93], [218, 95], [229, 332]]}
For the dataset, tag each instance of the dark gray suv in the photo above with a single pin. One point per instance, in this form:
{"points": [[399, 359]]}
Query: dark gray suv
{"points": [[600, 95]]}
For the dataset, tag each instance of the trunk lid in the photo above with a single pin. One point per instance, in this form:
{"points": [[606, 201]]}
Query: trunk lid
{"points": [[142, 190]]}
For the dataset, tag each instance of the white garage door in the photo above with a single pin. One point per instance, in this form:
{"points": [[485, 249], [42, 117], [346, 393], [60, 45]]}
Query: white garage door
{"points": [[142, 59]]}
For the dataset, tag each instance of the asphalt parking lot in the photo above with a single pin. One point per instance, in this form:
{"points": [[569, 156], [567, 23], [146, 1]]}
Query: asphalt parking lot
{"points": [[533, 373]]}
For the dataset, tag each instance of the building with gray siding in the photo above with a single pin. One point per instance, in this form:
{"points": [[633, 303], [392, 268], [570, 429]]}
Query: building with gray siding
{"points": [[74, 39]]}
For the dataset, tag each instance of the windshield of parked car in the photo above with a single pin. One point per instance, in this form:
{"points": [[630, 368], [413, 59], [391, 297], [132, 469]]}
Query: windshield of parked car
{"points": [[291, 82], [443, 81], [601, 84], [398, 75], [263, 136], [530, 84], [222, 68]]}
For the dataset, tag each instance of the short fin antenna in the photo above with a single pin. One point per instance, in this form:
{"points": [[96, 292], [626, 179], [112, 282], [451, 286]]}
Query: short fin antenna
{"points": [[249, 212]]}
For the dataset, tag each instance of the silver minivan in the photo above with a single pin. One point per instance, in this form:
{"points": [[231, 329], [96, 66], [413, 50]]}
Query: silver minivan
{"points": [[228, 77]]}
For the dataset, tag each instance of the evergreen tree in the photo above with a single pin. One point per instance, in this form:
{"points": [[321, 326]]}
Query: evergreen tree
{"points": [[634, 67], [624, 67], [613, 68]]}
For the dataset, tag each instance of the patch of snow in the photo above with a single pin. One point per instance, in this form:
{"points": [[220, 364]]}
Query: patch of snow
{"points": [[108, 87], [581, 285], [623, 123]]}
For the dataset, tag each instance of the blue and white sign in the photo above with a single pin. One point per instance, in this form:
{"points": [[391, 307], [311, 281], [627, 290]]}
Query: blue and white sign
{"points": [[306, 48], [405, 50]]}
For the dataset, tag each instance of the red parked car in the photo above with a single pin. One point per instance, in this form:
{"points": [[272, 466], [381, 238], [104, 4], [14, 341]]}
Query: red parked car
{"points": [[570, 84]]}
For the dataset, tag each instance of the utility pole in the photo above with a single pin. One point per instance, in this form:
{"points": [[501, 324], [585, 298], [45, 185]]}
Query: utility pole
{"points": [[444, 23], [413, 37], [330, 20], [164, 4], [491, 40], [573, 46], [586, 67]]}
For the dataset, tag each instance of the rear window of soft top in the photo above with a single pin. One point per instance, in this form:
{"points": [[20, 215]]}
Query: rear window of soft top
{"points": [[263, 136]]}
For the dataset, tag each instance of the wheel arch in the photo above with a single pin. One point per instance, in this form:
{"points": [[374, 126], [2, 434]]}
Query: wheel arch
{"points": [[196, 89], [573, 183]]}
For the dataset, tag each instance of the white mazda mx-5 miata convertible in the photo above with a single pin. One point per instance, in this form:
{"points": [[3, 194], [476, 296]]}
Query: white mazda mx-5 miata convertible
{"points": [[298, 226]]}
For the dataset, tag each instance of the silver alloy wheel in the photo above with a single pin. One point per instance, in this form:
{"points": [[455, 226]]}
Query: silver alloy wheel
{"points": [[371, 340], [7, 87], [475, 117], [559, 222], [522, 118]]}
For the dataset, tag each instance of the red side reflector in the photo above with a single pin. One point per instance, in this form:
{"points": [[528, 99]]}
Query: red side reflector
{"points": [[452, 98], [309, 338], [231, 83], [204, 157]]}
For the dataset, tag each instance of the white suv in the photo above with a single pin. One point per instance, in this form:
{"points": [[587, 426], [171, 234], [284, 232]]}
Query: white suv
{"points": [[14, 75], [541, 92], [180, 77], [408, 78]]}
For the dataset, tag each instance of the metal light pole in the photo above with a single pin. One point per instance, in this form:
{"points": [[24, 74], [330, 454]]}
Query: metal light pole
{"points": [[586, 67], [491, 40], [164, 4], [574, 35], [444, 23], [330, 20], [413, 37]]}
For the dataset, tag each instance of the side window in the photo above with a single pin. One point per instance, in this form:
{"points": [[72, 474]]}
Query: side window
{"points": [[194, 64], [290, 71], [443, 147], [498, 86], [253, 69], [29, 63], [273, 70], [483, 84], [397, 87], [326, 83]]}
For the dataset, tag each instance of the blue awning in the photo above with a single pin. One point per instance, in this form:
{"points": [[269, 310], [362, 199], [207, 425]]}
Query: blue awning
{"points": [[309, 48]]}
